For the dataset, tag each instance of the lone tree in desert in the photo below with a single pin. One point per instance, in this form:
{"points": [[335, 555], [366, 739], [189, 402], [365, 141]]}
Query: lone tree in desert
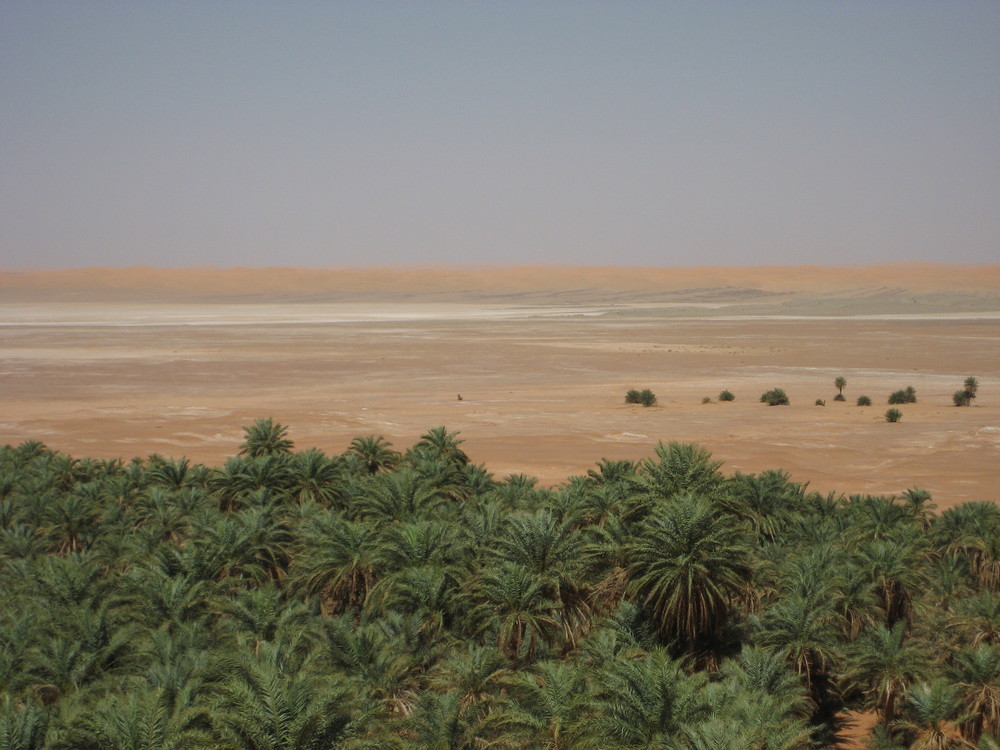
{"points": [[840, 382]]}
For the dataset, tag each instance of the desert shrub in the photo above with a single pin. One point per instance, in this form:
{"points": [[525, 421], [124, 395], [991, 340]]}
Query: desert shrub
{"points": [[971, 387], [707, 400], [864, 401], [727, 396], [820, 402], [906, 396], [774, 397], [645, 397], [961, 398], [839, 397], [893, 415]]}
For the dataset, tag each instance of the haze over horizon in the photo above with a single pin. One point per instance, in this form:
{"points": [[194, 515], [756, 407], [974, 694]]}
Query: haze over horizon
{"points": [[640, 134]]}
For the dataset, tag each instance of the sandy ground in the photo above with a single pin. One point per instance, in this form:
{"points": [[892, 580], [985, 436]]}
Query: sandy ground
{"points": [[542, 381]]}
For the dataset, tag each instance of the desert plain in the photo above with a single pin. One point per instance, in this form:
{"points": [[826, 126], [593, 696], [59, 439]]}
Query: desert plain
{"points": [[529, 365]]}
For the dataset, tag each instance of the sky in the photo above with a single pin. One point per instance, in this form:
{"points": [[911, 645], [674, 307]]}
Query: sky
{"points": [[321, 134]]}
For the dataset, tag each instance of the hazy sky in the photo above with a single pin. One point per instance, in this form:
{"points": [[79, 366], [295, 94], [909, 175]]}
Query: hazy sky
{"points": [[627, 133]]}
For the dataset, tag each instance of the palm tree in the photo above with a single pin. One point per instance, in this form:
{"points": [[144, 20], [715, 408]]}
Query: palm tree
{"points": [[854, 600], [767, 501], [261, 614], [265, 437], [159, 599], [883, 664], [763, 670], [175, 474], [401, 495], [381, 669], [892, 566], [840, 382], [510, 603], [68, 581], [643, 703], [929, 715], [879, 518], [804, 631], [335, 561], [978, 618], [23, 726], [80, 647], [375, 452], [445, 476], [430, 593], [688, 564], [273, 701], [971, 530], [253, 544], [553, 550], [20, 542], [441, 721], [239, 477], [749, 718], [316, 478], [444, 445], [71, 517], [976, 672], [681, 468], [137, 719], [181, 664], [477, 672], [918, 502], [419, 543], [612, 472], [476, 479], [161, 514], [986, 563], [544, 706]]}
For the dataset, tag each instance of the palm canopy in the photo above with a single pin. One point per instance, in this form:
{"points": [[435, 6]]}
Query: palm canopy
{"points": [[688, 565], [303, 600], [681, 468], [265, 437]]}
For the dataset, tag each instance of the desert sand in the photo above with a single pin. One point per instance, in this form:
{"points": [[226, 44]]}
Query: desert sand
{"points": [[129, 362]]}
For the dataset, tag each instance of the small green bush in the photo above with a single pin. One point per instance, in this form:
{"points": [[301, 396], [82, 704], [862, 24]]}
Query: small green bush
{"points": [[707, 400], [839, 397], [774, 397], [864, 401], [820, 402], [893, 415], [727, 396], [971, 388], [961, 398], [645, 397], [906, 396]]}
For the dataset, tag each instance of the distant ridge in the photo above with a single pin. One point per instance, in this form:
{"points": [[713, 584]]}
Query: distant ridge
{"points": [[886, 286]]}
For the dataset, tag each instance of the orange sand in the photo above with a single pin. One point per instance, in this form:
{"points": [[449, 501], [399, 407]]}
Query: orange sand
{"points": [[125, 362]]}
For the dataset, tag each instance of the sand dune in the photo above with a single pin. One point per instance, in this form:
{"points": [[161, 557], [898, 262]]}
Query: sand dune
{"points": [[892, 285]]}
